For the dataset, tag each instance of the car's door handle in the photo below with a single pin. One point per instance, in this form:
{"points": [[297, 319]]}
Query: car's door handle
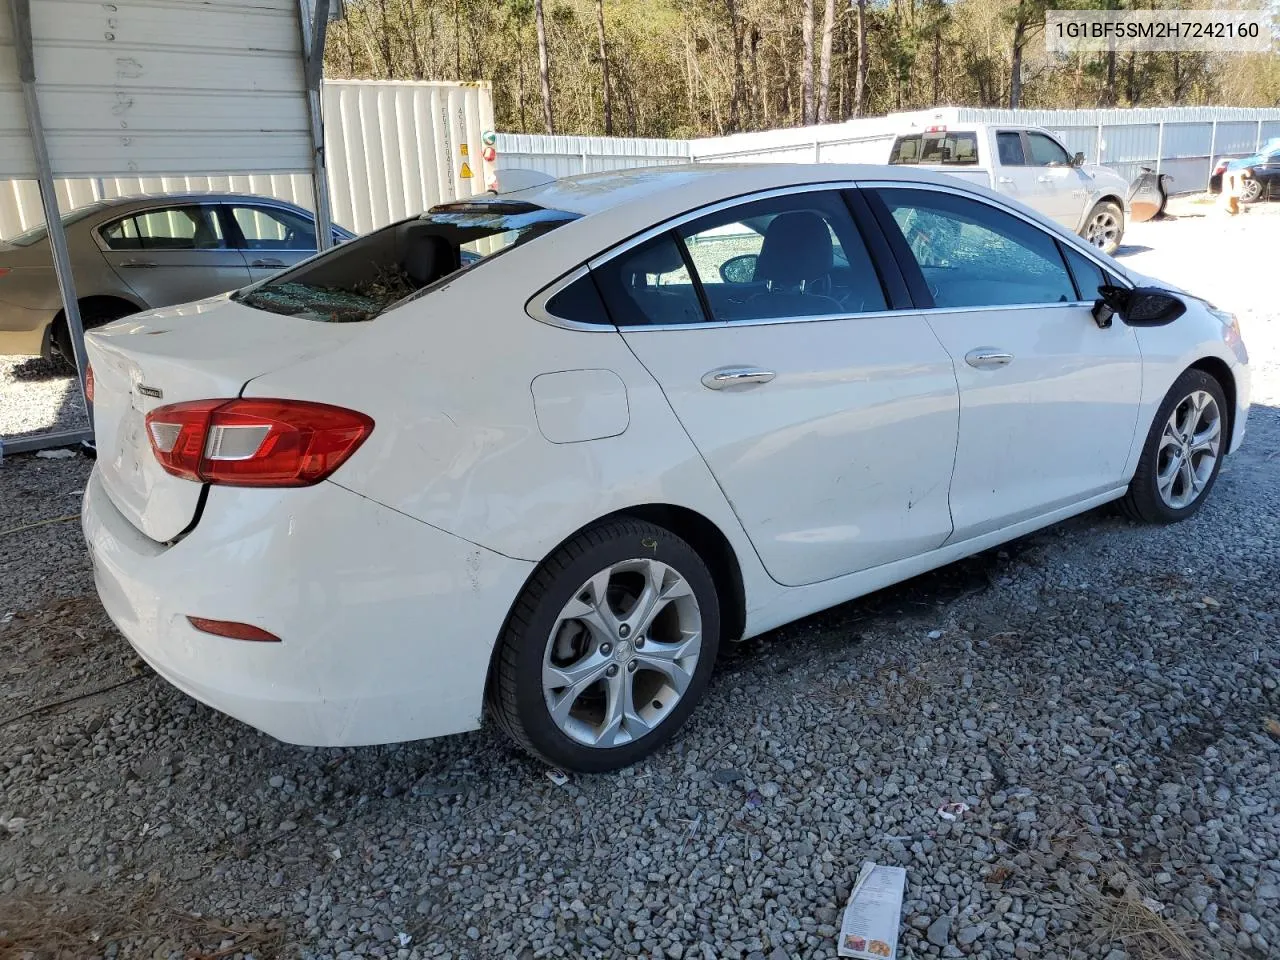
{"points": [[987, 358], [268, 262], [138, 263], [736, 377], [1044, 179], [1004, 179]]}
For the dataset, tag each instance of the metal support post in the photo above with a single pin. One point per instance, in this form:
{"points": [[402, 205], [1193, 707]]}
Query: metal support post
{"points": [[24, 49], [315, 27]]}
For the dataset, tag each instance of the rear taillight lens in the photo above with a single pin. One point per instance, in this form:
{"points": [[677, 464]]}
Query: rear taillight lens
{"points": [[255, 443], [88, 382]]}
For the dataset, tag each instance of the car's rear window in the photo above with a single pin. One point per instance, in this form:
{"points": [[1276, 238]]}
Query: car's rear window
{"points": [[366, 276], [947, 149]]}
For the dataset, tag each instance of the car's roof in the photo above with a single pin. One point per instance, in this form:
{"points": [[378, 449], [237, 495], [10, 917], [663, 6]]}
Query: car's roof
{"points": [[689, 185], [113, 202]]}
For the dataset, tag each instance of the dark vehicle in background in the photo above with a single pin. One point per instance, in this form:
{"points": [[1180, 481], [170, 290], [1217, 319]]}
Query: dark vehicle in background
{"points": [[1260, 181], [136, 253]]}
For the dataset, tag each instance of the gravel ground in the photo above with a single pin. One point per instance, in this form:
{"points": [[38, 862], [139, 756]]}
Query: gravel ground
{"points": [[39, 397], [1102, 695]]}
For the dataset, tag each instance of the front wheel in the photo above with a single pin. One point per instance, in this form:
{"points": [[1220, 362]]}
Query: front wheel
{"points": [[1183, 452], [608, 649], [1105, 227], [1250, 191]]}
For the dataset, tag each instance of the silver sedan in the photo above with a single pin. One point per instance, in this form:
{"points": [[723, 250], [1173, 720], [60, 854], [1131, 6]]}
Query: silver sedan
{"points": [[135, 253]]}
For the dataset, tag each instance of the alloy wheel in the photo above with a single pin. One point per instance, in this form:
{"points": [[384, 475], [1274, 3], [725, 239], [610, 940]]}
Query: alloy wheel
{"points": [[622, 653], [1104, 229], [1188, 451]]}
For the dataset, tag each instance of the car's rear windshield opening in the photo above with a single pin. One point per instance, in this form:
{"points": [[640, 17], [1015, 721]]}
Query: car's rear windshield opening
{"points": [[948, 149], [364, 277]]}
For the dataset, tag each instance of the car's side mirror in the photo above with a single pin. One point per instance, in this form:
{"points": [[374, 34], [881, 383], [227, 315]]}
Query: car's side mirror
{"points": [[1139, 307], [1078, 159], [739, 269]]}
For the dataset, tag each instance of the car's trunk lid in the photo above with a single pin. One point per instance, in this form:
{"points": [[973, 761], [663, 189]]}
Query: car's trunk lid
{"points": [[198, 351]]}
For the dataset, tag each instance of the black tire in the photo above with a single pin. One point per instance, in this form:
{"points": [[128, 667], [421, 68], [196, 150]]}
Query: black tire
{"points": [[1143, 500], [91, 315], [516, 698], [1111, 243]]}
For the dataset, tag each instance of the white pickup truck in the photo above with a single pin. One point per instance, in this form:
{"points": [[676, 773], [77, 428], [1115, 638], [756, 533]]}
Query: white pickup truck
{"points": [[1028, 164]]}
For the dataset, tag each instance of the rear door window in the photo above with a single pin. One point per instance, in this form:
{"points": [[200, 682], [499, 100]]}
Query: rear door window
{"points": [[1009, 145], [797, 255], [650, 285], [364, 277], [173, 228], [946, 149]]}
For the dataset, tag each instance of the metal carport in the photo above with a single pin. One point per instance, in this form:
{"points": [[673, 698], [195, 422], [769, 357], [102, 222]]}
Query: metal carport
{"points": [[157, 87]]}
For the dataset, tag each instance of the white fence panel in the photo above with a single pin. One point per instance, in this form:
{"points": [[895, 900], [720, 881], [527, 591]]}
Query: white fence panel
{"points": [[565, 156]]}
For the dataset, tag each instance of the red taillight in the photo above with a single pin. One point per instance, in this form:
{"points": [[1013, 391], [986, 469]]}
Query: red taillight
{"points": [[233, 630], [255, 443], [935, 129], [88, 382]]}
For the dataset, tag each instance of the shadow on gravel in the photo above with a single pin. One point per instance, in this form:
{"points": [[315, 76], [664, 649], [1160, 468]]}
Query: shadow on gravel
{"points": [[39, 369]]}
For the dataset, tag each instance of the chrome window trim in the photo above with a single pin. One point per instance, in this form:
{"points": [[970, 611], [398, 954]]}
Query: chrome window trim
{"points": [[1083, 248], [536, 306], [151, 206]]}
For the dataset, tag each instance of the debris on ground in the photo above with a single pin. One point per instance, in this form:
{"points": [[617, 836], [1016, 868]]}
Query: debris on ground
{"points": [[61, 453], [869, 928]]}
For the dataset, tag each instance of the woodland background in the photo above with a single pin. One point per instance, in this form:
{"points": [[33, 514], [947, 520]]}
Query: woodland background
{"points": [[687, 68]]}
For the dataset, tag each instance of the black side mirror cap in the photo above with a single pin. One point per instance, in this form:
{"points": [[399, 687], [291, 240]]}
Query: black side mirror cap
{"points": [[1139, 307], [1078, 159]]}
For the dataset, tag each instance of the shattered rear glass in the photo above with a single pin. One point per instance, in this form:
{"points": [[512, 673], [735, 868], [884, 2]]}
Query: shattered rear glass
{"points": [[370, 275]]}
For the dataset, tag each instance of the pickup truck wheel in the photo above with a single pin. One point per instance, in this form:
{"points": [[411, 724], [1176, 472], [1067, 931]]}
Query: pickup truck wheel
{"points": [[1105, 227]]}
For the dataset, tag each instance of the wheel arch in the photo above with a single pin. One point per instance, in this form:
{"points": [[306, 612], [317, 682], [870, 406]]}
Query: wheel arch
{"points": [[1218, 369], [100, 300], [706, 538]]}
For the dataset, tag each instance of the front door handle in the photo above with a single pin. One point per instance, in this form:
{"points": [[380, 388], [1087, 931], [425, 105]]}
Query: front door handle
{"points": [[138, 263], [268, 263], [987, 358], [726, 377], [1004, 179], [1044, 179]]}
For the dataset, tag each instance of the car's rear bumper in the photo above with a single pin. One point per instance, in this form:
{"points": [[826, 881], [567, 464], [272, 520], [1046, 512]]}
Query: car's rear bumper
{"points": [[21, 343], [386, 623]]}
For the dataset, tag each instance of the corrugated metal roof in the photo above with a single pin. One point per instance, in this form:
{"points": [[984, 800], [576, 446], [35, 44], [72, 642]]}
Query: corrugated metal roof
{"points": [[1047, 118]]}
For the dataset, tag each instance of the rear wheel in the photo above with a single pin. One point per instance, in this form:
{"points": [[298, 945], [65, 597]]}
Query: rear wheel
{"points": [[608, 649], [1183, 452], [1105, 227], [91, 315]]}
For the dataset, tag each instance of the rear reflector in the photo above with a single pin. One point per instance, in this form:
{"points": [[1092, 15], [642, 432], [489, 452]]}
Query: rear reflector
{"points": [[88, 382], [232, 629], [253, 442]]}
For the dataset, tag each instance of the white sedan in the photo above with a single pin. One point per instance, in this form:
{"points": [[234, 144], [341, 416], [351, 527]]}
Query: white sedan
{"points": [[544, 452]]}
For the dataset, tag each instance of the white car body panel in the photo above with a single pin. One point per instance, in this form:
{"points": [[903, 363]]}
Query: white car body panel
{"points": [[865, 404], [1029, 436], [497, 436]]}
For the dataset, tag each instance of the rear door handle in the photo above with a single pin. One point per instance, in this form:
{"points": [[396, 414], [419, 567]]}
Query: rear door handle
{"points": [[1044, 179], [726, 377], [268, 262], [987, 358], [1004, 179], [138, 263]]}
